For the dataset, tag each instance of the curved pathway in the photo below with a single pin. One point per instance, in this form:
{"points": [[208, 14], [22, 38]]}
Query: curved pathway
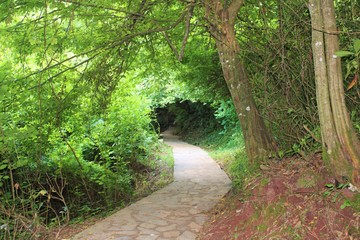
{"points": [[177, 211]]}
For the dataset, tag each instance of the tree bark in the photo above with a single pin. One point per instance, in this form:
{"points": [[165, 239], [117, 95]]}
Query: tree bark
{"points": [[221, 17], [341, 147]]}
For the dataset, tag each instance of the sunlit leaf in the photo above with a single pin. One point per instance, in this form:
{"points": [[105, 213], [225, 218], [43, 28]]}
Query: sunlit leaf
{"points": [[343, 53], [3, 166], [43, 192], [357, 45]]}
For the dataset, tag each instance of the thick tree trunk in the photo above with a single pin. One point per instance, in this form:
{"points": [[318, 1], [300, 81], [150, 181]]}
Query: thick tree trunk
{"points": [[341, 147], [258, 141]]}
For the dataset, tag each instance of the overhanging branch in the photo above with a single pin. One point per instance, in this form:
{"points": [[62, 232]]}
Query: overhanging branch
{"points": [[180, 54], [233, 9]]}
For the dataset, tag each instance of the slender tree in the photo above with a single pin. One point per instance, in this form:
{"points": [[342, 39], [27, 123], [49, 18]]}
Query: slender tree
{"points": [[341, 147], [221, 18]]}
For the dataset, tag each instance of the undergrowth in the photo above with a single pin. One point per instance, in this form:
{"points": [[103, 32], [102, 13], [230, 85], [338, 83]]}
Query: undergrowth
{"points": [[161, 175], [27, 218]]}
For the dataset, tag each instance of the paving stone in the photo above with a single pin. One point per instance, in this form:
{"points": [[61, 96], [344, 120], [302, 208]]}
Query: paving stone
{"points": [[195, 227], [147, 225], [128, 233], [175, 211], [126, 227], [166, 228], [147, 237], [187, 235], [194, 211], [182, 213], [159, 222], [171, 234], [147, 231], [124, 238]]}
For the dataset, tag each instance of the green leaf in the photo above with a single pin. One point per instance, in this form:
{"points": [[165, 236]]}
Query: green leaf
{"points": [[357, 45], [3, 166], [53, 41], [343, 185], [21, 163], [43, 192], [343, 53], [345, 204]]}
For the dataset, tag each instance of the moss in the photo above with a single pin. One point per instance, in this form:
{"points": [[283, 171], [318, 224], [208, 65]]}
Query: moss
{"points": [[264, 182], [326, 157], [268, 213], [262, 227], [275, 210], [337, 164]]}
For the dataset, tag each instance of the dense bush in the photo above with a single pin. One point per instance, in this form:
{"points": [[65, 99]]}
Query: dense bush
{"points": [[187, 116], [79, 162]]}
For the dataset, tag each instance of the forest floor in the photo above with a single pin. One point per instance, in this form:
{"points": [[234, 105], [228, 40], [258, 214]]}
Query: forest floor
{"points": [[290, 199]]}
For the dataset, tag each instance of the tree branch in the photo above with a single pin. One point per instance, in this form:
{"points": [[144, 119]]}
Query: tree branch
{"points": [[61, 62], [187, 30], [180, 54], [63, 71], [233, 9], [101, 7], [173, 48], [147, 32], [106, 46]]}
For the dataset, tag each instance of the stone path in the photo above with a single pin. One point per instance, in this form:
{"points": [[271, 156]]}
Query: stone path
{"points": [[177, 211]]}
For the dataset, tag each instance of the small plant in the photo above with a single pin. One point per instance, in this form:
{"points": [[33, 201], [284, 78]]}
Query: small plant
{"points": [[332, 190], [345, 204], [352, 63], [333, 186]]}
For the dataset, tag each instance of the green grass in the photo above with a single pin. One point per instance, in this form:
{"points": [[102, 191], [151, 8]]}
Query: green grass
{"points": [[161, 175]]}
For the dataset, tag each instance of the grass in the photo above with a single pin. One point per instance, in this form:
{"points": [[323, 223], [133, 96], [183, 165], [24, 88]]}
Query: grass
{"points": [[161, 175]]}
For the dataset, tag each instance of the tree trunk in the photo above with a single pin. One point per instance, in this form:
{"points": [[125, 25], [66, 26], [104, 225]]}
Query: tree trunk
{"points": [[258, 141], [341, 148]]}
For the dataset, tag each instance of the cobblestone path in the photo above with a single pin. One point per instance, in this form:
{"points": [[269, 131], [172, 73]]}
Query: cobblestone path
{"points": [[177, 211]]}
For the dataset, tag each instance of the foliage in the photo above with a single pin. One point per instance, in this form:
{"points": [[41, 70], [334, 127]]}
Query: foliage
{"points": [[226, 115], [85, 149], [352, 65], [75, 131], [81, 161], [348, 21], [275, 36], [191, 116], [81, 83]]}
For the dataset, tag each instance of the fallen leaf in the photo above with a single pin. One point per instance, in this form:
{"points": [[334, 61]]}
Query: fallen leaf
{"points": [[353, 82]]}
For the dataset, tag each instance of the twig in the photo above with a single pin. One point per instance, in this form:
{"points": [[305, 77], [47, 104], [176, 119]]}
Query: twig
{"points": [[312, 134]]}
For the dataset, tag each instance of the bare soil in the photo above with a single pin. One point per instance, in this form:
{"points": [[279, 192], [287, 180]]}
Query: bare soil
{"points": [[291, 199]]}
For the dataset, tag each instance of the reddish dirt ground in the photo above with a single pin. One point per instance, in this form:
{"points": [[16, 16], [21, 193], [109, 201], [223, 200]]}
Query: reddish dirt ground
{"points": [[291, 199]]}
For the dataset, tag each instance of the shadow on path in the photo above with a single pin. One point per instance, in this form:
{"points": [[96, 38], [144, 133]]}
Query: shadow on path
{"points": [[177, 211]]}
